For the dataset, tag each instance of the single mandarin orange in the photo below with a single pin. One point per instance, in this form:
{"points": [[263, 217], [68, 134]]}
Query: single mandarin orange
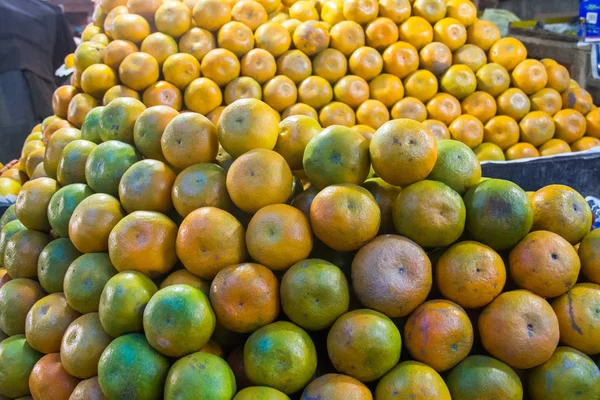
{"points": [[202, 95], [438, 129], [372, 113], [119, 91], [250, 13], [508, 52], [332, 11], [417, 31], [242, 88], [400, 59], [381, 32], [366, 62], [330, 64], [337, 387], [502, 131], [493, 79], [273, 37], [160, 46], [189, 139], [435, 57], [570, 125], [315, 92], [197, 42], [554, 146], [138, 71], [514, 103], [130, 27], [537, 128], [180, 69], [462, 10], [300, 109], [546, 100], [444, 107], [451, 32], [351, 90], [530, 76], [459, 81], [483, 34], [480, 105], [280, 92], [521, 150], [311, 37], [386, 88], [431, 10], [467, 129], [361, 11], [471, 56], [303, 11], [346, 37], [421, 84], [558, 78], [593, 123], [163, 93], [259, 65], [221, 66], [337, 113], [295, 65], [410, 108], [410, 377], [396, 10], [578, 99], [585, 143], [236, 37]]}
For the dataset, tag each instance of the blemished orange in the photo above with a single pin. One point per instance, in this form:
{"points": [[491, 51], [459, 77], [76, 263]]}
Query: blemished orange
{"points": [[233, 295], [508, 52], [463, 11], [173, 18], [438, 129], [330, 213], [303, 11], [554, 146], [130, 27], [351, 90], [467, 129], [416, 31], [236, 37], [61, 99], [519, 328], [544, 263], [197, 42], [431, 10], [386, 88], [585, 143], [410, 108], [481, 105], [138, 71], [259, 65], [280, 92], [202, 95], [221, 66], [347, 36], [273, 37], [361, 11], [403, 152], [163, 93], [116, 51], [537, 128], [521, 150], [372, 113], [578, 99], [483, 34], [376, 266], [514, 103], [180, 69], [501, 130], [493, 79], [558, 78], [421, 84], [381, 32], [400, 59], [311, 37], [435, 57], [451, 32], [315, 92], [337, 387], [470, 274], [210, 239], [211, 14], [444, 107], [259, 178], [300, 109], [530, 76], [459, 81], [250, 13], [330, 64], [396, 10], [295, 65], [275, 227], [546, 100], [337, 113], [189, 139], [570, 125], [439, 333], [366, 62], [242, 88], [160, 46], [248, 124]]}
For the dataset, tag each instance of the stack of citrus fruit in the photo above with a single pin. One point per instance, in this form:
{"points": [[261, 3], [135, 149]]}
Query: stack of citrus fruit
{"points": [[153, 253]]}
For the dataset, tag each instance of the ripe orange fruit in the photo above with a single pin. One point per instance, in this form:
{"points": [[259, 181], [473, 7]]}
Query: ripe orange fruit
{"points": [[159, 46], [189, 139], [116, 92], [95, 269], [417, 31], [522, 150], [259, 65], [61, 99], [146, 186], [337, 387], [236, 37], [450, 32], [381, 33], [438, 129], [439, 333], [311, 37], [273, 37], [131, 27], [421, 84], [295, 65], [459, 81], [361, 11], [49, 376], [163, 93], [138, 71], [17, 296], [436, 57], [280, 93], [341, 208], [593, 123], [396, 10], [570, 125], [295, 133], [250, 13], [81, 104], [87, 389], [400, 59], [389, 89], [431, 10], [467, 129], [202, 95], [16, 350], [537, 128], [489, 152], [303, 11], [315, 92], [530, 76], [110, 16], [184, 277], [221, 66], [332, 12], [47, 322], [89, 53], [546, 100], [232, 293], [376, 266], [173, 18], [558, 78], [525, 344], [54, 151], [514, 103], [242, 88], [409, 108], [554, 146], [544, 263], [471, 56], [463, 11], [258, 178], [21, 249], [480, 105], [493, 79], [484, 377], [300, 109], [443, 107], [470, 274], [118, 118], [346, 37], [149, 128], [588, 251], [197, 42], [337, 113], [188, 195], [330, 64], [351, 90], [502, 131], [145, 8], [508, 52], [372, 113], [116, 51], [366, 62], [585, 143], [578, 99], [71, 167], [483, 34], [409, 377], [32, 203], [351, 341], [211, 14]]}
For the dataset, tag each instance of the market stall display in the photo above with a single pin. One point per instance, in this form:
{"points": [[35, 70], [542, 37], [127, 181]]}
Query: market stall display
{"points": [[203, 219]]}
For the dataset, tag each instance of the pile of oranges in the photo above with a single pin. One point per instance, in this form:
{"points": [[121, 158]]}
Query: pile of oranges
{"points": [[257, 252], [353, 63]]}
